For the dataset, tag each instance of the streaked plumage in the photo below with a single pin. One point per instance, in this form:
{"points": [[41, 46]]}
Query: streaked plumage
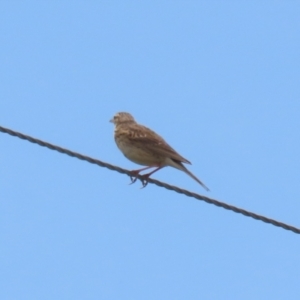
{"points": [[145, 147]]}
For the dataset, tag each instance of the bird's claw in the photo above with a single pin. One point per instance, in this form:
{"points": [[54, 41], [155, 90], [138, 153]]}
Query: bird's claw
{"points": [[143, 180], [144, 183], [133, 179]]}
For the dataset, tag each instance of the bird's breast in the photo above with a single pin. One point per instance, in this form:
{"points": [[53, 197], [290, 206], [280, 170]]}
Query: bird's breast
{"points": [[137, 153]]}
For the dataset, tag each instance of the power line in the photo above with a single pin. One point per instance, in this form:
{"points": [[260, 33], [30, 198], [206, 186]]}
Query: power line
{"points": [[153, 181]]}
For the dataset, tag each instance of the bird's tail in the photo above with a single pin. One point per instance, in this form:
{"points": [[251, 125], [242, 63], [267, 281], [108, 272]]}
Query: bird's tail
{"points": [[194, 177], [178, 165]]}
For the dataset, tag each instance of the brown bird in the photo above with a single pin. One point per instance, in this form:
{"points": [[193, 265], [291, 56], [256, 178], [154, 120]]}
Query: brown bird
{"points": [[144, 147]]}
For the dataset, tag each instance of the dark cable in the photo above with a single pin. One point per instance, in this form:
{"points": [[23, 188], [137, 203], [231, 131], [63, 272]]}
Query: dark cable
{"points": [[158, 183]]}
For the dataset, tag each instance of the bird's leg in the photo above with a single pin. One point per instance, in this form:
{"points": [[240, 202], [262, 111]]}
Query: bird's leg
{"points": [[134, 174], [146, 176]]}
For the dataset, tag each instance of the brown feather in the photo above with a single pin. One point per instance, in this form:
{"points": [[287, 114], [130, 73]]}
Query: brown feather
{"points": [[143, 136]]}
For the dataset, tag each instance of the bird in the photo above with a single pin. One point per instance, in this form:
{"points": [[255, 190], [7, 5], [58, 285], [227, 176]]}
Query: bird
{"points": [[143, 146]]}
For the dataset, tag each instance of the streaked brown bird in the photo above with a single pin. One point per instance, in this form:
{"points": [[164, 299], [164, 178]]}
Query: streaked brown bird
{"points": [[145, 147]]}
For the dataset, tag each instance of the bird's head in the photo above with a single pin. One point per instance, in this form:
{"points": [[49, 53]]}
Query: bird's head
{"points": [[122, 117]]}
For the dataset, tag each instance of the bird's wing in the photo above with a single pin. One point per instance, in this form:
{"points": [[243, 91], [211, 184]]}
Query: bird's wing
{"points": [[152, 142]]}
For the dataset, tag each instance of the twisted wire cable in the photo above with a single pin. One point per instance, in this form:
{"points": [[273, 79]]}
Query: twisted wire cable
{"points": [[150, 180]]}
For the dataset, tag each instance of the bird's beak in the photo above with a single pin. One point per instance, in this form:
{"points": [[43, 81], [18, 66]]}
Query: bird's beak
{"points": [[111, 120]]}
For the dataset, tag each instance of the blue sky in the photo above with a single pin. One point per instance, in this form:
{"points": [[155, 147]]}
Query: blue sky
{"points": [[219, 80]]}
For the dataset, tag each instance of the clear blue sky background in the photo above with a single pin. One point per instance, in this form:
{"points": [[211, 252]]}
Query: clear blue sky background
{"points": [[219, 80]]}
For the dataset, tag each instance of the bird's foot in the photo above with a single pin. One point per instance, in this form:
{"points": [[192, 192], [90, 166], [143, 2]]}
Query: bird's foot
{"points": [[133, 179], [133, 176], [144, 179]]}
